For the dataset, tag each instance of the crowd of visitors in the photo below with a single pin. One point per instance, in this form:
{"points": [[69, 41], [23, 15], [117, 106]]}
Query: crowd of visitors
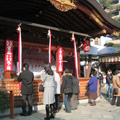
{"points": [[69, 87]]}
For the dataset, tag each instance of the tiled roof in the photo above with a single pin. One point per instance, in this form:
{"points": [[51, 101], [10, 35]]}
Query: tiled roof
{"points": [[103, 51], [108, 50], [93, 51]]}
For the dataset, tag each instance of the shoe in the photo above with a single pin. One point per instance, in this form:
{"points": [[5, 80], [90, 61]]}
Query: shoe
{"points": [[52, 117], [56, 111], [74, 109], [23, 114], [47, 118], [112, 104], [92, 104], [67, 111], [29, 113]]}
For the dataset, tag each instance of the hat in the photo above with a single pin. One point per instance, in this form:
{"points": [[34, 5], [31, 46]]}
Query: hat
{"points": [[117, 72]]}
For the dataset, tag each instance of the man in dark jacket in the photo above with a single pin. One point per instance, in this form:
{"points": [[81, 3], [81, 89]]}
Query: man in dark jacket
{"points": [[109, 81], [100, 78], [66, 88], [75, 87], [26, 78]]}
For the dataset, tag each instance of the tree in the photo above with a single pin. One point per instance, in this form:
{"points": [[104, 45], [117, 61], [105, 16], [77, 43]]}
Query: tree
{"points": [[3, 102], [109, 44], [105, 4]]}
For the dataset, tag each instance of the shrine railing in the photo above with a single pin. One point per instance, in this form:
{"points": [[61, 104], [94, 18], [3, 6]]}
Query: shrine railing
{"points": [[12, 84]]}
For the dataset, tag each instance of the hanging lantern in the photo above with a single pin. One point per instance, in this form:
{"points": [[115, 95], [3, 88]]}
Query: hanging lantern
{"points": [[86, 45]]}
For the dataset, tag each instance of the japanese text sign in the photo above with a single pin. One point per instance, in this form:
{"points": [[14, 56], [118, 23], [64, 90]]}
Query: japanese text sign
{"points": [[9, 55], [60, 59]]}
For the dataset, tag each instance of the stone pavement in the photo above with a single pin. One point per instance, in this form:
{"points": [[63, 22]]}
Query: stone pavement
{"points": [[102, 111]]}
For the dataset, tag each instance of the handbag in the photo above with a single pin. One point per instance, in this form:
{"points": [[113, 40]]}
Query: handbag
{"points": [[41, 88], [87, 87], [115, 91]]}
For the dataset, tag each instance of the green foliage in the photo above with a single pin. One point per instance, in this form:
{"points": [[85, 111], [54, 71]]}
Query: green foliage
{"points": [[118, 51], [105, 4], [116, 45], [109, 44], [110, 14], [112, 45], [117, 19], [3, 102], [117, 7]]}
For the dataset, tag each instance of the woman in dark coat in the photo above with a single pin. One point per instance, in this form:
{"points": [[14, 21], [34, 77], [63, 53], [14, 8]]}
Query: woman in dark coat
{"points": [[93, 82], [48, 96]]}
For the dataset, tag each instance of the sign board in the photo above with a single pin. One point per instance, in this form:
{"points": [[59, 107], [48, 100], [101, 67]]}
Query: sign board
{"points": [[9, 55], [60, 59]]}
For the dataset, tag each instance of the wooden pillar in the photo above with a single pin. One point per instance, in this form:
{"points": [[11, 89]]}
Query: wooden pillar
{"points": [[7, 75], [79, 71], [12, 104], [89, 66]]}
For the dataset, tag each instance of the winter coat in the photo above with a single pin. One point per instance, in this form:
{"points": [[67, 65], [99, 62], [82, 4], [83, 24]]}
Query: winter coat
{"points": [[57, 83], [26, 78], [116, 84], [66, 84], [75, 85], [109, 79], [49, 91], [93, 82]]}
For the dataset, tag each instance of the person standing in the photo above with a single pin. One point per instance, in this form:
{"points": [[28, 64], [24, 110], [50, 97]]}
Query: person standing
{"points": [[49, 91], [75, 87], [26, 78], [109, 80], [57, 89], [116, 84], [66, 88], [100, 77], [93, 83]]}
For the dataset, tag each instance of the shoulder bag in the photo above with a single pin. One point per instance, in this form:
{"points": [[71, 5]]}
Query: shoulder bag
{"points": [[115, 91], [41, 88]]}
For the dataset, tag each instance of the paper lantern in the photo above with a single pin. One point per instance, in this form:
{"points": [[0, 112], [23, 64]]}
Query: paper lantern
{"points": [[86, 45]]}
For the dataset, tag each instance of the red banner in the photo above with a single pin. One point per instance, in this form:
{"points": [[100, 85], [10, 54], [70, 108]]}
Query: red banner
{"points": [[9, 55], [60, 59]]}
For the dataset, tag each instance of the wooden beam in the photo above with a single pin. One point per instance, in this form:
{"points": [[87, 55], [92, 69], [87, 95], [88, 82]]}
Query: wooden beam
{"points": [[35, 46], [94, 17], [41, 26]]}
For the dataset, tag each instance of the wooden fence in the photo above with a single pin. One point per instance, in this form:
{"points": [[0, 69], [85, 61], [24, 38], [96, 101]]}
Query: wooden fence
{"points": [[11, 84]]}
